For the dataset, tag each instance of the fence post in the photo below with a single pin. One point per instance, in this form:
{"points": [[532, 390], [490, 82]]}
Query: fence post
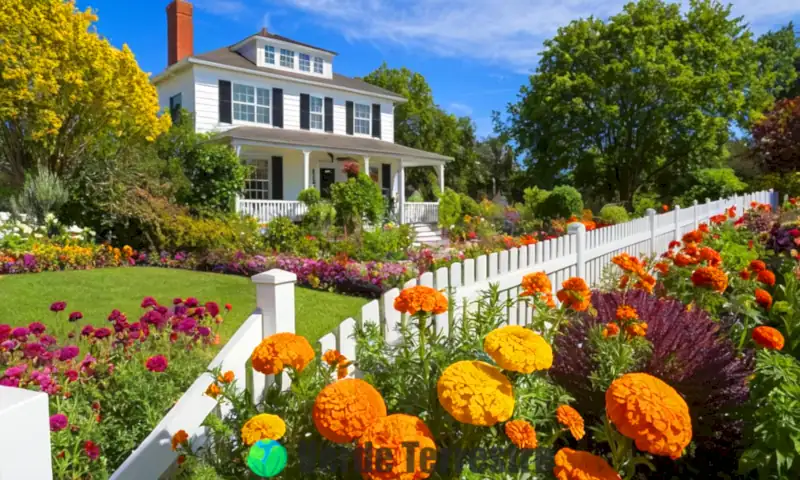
{"points": [[275, 300], [579, 230], [677, 215], [651, 217], [696, 215], [773, 199], [25, 454]]}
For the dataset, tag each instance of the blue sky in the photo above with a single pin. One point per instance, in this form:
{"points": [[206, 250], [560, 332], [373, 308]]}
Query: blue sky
{"points": [[474, 53]]}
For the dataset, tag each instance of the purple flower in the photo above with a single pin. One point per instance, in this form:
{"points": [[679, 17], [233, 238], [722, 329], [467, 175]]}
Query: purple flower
{"points": [[154, 318], [16, 371], [48, 340], [149, 302], [87, 331], [20, 333], [186, 325], [177, 301], [87, 361], [180, 310], [204, 331], [191, 302], [29, 261], [58, 306], [180, 256], [8, 345], [102, 333], [5, 332], [33, 350], [37, 328], [58, 422], [162, 310], [199, 312], [75, 316], [68, 353], [114, 315]]}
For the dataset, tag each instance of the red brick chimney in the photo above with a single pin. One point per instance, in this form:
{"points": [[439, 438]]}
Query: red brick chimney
{"points": [[180, 31]]}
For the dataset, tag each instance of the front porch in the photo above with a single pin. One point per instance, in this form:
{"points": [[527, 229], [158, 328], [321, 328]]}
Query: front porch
{"points": [[287, 162]]}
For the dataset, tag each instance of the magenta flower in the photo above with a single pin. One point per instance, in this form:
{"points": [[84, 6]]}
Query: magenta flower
{"points": [[58, 422], [191, 302], [5, 332], [75, 316], [212, 308], [186, 325], [58, 306], [20, 333], [177, 301], [149, 302], [199, 312], [91, 449], [87, 330], [16, 371], [48, 340], [32, 350], [114, 315], [37, 328], [68, 353], [157, 363], [102, 333], [9, 382], [71, 375], [204, 331], [8, 345]]}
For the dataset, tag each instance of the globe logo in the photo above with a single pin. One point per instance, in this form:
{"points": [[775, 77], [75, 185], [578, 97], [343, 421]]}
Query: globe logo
{"points": [[267, 458]]}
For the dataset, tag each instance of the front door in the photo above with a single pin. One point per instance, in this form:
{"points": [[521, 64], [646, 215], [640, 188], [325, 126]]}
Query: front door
{"points": [[326, 178]]}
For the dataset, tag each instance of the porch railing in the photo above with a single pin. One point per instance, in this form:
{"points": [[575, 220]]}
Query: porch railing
{"points": [[267, 210], [422, 212]]}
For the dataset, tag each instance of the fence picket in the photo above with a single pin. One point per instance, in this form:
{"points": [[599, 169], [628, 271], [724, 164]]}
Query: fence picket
{"points": [[492, 265], [503, 260], [371, 313], [442, 320], [469, 272], [391, 316], [481, 269]]}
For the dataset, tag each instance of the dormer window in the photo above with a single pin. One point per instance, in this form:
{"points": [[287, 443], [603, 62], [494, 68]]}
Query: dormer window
{"points": [[287, 58], [317, 64], [305, 62], [362, 119], [269, 55]]}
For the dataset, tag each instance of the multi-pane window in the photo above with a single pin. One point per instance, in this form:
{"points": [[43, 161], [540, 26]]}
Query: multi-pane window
{"points": [[250, 104], [256, 187], [362, 118], [316, 113], [175, 102], [305, 62], [287, 58], [269, 55], [317, 64]]}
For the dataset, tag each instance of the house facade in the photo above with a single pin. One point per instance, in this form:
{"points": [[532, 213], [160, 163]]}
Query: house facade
{"points": [[281, 106]]}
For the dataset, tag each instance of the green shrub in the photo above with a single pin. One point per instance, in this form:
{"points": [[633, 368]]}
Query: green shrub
{"points": [[449, 208], [469, 206], [309, 196], [563, 202], [786, 184], [42, 194], [386, 244], [415, 197], [712, 183], [614, 214], [357, 200], [643, 201], [187, 233], [282, 234], [319, 217], [532, 197]]}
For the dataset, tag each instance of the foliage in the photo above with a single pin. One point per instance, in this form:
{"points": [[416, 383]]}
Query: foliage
{"points": [[613, 214], [788, 183], [356, 201], [712, 183], [41, 195], [563, 202], [776, 137], [449, 208], [642, 95], [64, 89], [643, 201], [388, 243], [469, 206], [282, 234], [415, 197], [310, 196]]}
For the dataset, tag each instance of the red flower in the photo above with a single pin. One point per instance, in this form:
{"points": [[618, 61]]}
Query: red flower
{"points": [[228, 307], [157, 363], [768, 337], [91, 449], [665, 207], [766, 277], [58, 306]]}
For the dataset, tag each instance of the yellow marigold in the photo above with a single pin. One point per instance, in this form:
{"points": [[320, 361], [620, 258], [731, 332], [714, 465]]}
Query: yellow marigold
{"points": [[226, 377], [636, 330], [394, 433], [577, 465], [626, 313], [213, 390], [476, 393], [710, 277], [518, 349], [575, 294], [280, 350], [651, 413], [610, 330], [522, 434], [420, 298], [570, 418], [179, 438], [344, 409], [264, 426]]}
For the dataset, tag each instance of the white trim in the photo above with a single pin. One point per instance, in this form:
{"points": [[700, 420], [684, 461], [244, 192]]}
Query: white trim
{"points": [[274, 55], [321, 113], [300, 62], [293, 66], [321, 64], [278, 42], [339, 151], [256, 88], [310, 81], [356, 118]]}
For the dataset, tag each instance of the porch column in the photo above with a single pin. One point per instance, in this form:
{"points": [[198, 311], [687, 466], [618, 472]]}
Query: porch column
{"points": [[366, 165], [306, 170], [402, 196], [441, 178]]}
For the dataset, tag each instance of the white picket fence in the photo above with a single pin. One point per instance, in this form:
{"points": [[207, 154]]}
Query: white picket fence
{"points": [[579, 253]]}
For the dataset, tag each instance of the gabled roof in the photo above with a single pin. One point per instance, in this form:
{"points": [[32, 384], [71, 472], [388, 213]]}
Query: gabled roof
{"points": [[266, 34]]}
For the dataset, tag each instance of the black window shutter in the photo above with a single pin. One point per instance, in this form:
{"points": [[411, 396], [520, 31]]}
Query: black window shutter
{"points": [[305, 123], [277, 110], [376, 120], [329, 114], [277, 178], [225, 101], [386, 178], [349, 108]]}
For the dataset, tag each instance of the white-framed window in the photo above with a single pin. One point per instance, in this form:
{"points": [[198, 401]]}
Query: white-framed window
{"points": [[316, 113], [269, 54], [251, 104], [305, 62], [363, 119], [287, 58], [317, 64], [256, 186]]}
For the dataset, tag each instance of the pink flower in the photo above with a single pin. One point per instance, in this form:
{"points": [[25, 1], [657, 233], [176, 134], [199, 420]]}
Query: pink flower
{"points": [[177, 301], [48, 340], [32, 350], [68, 353], [37, 328], [149, 302], [71, 375], [20, 333], [9, 382], [87, 331], [5, 332], [16, 371], [212, 308], [58, 306], [75, 316], [102, 333], [58, 422], [191, 302], [157, 363]]}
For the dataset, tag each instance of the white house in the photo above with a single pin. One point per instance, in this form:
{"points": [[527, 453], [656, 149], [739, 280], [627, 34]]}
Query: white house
{"points": [[281, 106]]}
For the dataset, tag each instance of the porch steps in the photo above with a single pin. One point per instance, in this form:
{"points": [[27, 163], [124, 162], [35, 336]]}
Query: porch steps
{"points": [[427, 234]]}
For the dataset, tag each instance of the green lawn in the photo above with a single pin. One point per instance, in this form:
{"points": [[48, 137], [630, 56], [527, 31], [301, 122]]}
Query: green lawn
{"points": [[27, 297]]}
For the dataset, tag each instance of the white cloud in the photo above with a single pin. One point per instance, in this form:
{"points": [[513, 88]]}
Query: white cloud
{"points": [[460, 109], [507, 33]]}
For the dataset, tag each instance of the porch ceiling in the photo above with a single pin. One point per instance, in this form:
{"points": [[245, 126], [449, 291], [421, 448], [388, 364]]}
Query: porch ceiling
{"points": [[305, 140]]}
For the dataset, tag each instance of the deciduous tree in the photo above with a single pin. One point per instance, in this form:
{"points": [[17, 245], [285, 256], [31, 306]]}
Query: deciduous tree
{"points": [[776, 137]]}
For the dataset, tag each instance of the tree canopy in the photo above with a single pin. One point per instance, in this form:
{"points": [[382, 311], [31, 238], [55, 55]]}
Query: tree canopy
{"points": [[620, 105], [776, 137]]}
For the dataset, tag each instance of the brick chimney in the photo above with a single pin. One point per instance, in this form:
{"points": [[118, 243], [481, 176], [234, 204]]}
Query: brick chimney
{"points": [[180, 31]]}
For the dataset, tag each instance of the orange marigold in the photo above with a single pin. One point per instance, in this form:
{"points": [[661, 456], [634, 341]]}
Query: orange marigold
{"points": [[333, 357], [745, 275], [420, 298], [766, 277], [610, 330], [695, 236], [718, 219], [626, 313], [344, 409], [280, 350], [575, 294], [522, 434], [768, 337], [226, 377], [711, 256], [628, 263], [476, 393], [757, 266], [651, 413], [636, 330], [213, 390], [538, 284], [570, 418], [179, 438], [763, 298], [684, 260], [710, 277], [704, 228], [264, 426], [394, 433], [662, 267], [577, 465], [646, 282], [518, 349]]}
